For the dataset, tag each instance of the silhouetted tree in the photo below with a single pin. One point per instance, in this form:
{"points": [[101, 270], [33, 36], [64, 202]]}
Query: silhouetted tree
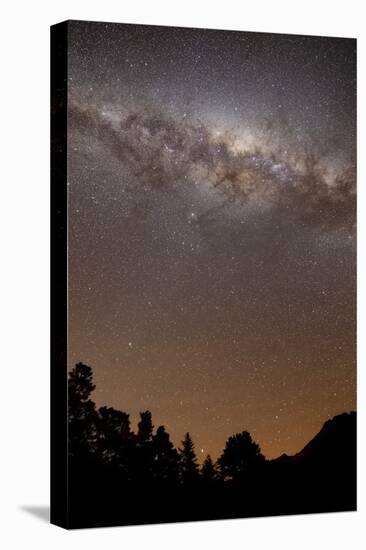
{"points": [[82, 416], [115, 423], [240, 456], [145, 427], [80, 383], [208, 470], [188, 461], [141, 466], [165, 457], [114, 434]]}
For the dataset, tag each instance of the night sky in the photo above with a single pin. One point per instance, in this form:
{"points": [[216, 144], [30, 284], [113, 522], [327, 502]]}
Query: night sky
{"points": [[212, 228]]}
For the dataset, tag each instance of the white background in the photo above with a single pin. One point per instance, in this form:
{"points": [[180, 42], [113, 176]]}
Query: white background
{"points": [[24, 273]]}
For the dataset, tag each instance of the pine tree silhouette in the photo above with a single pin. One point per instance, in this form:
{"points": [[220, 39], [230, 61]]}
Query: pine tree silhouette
{"points": [[188, 461], [145, 427], [80, 383], [165, 457], [114, 434], [208, 470], [82, 415]]}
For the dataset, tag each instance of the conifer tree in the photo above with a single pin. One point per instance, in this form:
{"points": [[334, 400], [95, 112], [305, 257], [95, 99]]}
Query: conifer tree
{"points": [[145, 427], [165, 457], [208, 470], [188, 461], [82, 415]]}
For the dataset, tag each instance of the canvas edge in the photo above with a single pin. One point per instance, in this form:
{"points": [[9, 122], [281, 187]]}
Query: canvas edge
{"points": [[58, 255]]}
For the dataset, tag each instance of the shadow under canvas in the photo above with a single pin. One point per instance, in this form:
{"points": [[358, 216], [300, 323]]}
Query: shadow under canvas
{"points": [[40, 512]]}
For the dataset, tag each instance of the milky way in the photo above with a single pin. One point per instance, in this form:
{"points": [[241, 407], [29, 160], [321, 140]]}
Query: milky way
{"points": [[212, 228]]}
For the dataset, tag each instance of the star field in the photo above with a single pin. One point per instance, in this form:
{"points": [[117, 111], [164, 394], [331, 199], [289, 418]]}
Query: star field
{"points": [[212, 228]]}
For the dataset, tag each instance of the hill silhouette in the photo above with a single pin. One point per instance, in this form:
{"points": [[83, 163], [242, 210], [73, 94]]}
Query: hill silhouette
{"points": [[325, 445], [322, 476], [119, 477]]}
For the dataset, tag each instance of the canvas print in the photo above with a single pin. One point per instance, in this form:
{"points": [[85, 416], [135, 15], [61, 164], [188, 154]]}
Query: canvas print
{"points": [[204, 277]]}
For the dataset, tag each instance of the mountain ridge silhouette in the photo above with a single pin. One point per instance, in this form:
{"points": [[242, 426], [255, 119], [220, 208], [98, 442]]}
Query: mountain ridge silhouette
{"points": [[342, 426]]}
